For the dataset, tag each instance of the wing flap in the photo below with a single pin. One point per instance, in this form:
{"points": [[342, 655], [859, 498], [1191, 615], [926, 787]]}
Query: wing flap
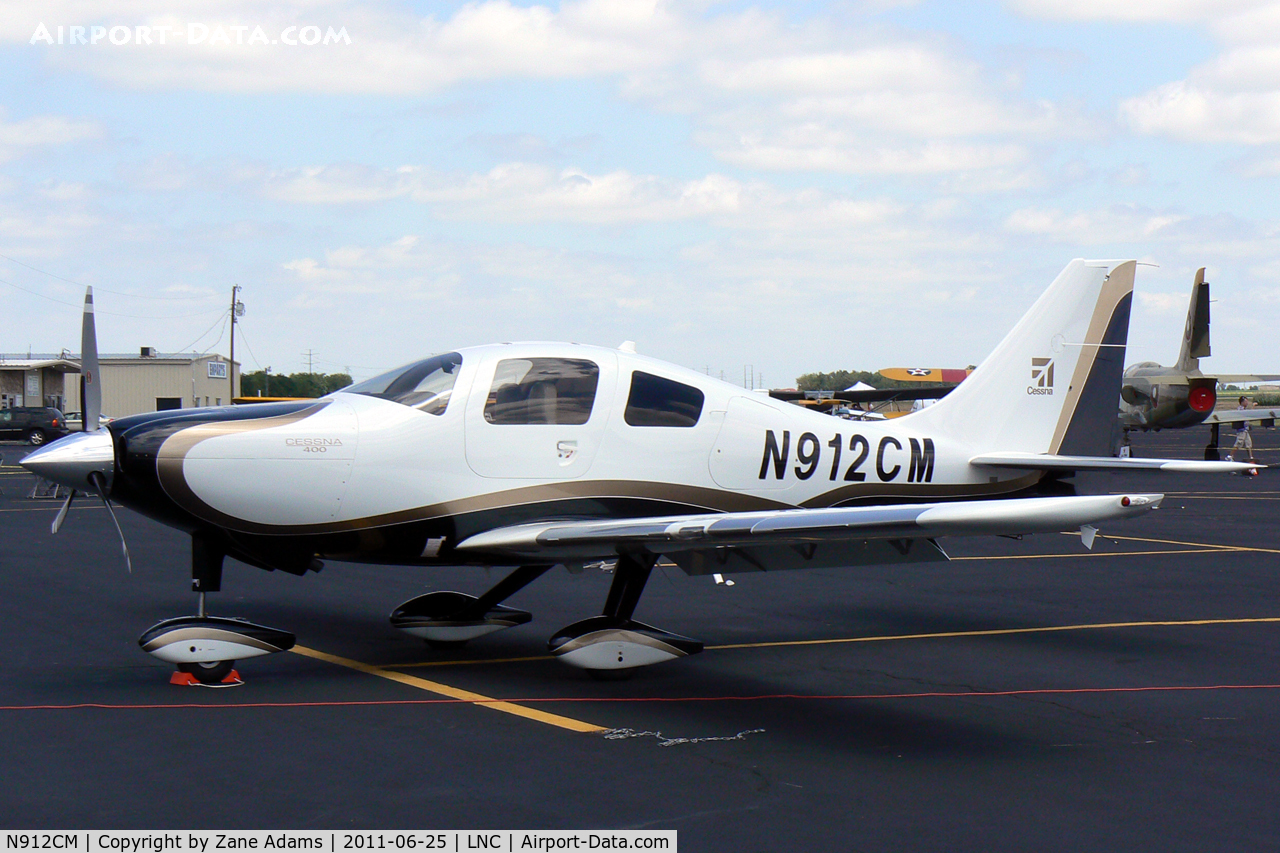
{"points": [[671, 535]]}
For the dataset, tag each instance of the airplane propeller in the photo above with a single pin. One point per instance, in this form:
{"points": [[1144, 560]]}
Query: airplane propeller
{"points": [[91, 397], [93, 454], [62, 512]]}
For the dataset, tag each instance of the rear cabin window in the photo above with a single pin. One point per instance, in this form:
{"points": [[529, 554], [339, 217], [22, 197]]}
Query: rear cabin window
{"points": [[542, 391], [655, 401]]}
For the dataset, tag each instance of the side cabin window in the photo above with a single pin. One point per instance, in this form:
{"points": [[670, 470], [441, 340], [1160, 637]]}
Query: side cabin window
{"points": [[425, 385], [660, 402], [542, 391]]}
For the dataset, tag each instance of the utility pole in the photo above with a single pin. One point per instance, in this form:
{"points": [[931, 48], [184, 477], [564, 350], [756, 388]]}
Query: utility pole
{"points": [[237, 310]]}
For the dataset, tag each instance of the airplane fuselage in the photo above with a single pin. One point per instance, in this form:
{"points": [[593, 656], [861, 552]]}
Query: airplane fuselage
{"points": [[522, 432], [1150, 400]]}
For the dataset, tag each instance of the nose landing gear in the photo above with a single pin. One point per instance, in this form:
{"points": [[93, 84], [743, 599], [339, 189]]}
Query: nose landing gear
{"points": [[205, 647]]}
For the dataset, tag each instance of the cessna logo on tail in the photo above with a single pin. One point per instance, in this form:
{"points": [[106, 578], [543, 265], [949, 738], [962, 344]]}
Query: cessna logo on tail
{"points": [[1042, 376]]}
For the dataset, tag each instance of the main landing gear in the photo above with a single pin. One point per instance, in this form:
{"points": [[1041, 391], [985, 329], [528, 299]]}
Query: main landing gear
{"points": [[1211, 449], [451, 619], [607, 645], [612, 642], [205, 647]]}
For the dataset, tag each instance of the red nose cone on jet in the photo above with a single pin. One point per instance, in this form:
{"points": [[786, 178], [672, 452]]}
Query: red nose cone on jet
{"points": [[1202, 399]]}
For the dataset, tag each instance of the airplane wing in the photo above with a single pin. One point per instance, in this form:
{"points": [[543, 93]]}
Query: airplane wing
{"points": [[1244, 378], [873, 395], [926, 374], [1236, 416], [808, 538], [1048, 462]]}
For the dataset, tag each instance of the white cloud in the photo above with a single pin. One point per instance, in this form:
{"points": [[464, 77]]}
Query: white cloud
{"points": [[762, 91], [1204, 112], [1162, 303], [1117, 224], [1232, 98], [889, 107], [1169, 11], [514, 192], [22, 136], [390, 50]]}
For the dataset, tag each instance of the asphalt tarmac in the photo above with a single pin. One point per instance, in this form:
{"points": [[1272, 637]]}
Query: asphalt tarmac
{"points": [[1029, 695]]}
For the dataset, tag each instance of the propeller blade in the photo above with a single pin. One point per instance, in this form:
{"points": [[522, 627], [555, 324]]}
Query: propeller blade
{"points": [[62, 513], [91, 402], [99, 483]]}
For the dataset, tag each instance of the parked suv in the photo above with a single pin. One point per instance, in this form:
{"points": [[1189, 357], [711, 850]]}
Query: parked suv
{"points": [[34, 424]]}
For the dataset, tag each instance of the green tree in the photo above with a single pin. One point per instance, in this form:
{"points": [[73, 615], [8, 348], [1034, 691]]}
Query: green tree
{"points": [[294, 385], [838, 380]]}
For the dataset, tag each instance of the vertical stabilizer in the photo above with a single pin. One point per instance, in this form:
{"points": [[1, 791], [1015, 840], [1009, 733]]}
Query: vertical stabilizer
{"points": [[1053, 383], [1195, 338]]}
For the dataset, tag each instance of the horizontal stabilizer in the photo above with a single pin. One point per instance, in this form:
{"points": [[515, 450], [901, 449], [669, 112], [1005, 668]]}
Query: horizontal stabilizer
{"points": [[802, 527], [1048, 462]]}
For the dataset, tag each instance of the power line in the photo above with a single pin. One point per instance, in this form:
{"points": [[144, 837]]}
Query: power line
{"points": [[245, 341], [109, 313], [222, 319], [103, 289]]}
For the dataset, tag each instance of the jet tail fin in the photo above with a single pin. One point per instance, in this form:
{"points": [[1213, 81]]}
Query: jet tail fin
{"points": [[1195, 338], [1053, 384]]}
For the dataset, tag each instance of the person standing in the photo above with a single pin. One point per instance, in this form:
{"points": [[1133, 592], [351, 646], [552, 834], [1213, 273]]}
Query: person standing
{"points": [[1244, 441]]}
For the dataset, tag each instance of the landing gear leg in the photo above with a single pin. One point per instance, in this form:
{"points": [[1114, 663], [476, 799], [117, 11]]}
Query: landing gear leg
{"points": [[629, 580], [451, 619], [206, 647], [1211, 449], [613, 643]]}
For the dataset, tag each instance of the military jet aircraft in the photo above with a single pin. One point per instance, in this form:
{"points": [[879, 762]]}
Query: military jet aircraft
{"points": [[529, 455], [1155, 397]]}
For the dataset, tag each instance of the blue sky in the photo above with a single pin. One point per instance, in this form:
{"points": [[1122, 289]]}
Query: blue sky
{"points": [[794, 186]]}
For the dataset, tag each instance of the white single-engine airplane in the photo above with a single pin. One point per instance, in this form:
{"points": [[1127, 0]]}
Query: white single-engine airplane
{"points": [[531, 455]]}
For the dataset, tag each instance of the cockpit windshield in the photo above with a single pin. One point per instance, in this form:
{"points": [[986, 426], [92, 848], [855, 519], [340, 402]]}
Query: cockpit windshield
{"points": [[425, 385]]}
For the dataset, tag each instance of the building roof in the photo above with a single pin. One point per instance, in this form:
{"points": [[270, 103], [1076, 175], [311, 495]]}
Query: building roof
{"points": [[36, 361], [70, 362]]}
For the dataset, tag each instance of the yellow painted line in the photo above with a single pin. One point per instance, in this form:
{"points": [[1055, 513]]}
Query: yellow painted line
{"points": [[1226, 497], [453, 692], [1208, 494], [998, 632], [1208, 545], [1177, 547], [55, 506], [1096, 554], [993, 632], [430, 663]]}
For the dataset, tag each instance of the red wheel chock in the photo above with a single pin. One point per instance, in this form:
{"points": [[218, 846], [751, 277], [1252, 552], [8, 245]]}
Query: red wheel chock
{"points": [[186, 679]]}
